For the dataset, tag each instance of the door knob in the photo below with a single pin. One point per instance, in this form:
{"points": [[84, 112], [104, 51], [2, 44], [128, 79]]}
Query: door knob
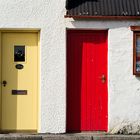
{"points": [[4, 83], [103, 78]]}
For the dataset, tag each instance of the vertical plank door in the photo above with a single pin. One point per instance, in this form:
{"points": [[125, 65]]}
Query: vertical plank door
{"points": [[87, 96]]}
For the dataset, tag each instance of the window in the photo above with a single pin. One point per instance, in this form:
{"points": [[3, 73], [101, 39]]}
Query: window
{"points": [[19, 53], [136, 50]]}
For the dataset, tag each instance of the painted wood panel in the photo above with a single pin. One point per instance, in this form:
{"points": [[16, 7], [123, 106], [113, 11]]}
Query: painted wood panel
{"points": [[87, 96]]}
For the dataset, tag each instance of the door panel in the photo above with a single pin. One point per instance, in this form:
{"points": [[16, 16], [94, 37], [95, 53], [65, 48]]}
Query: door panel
{"points": [[19, 112], [87, 97]]}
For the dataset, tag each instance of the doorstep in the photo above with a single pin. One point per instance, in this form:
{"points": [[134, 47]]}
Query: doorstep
{"points": [[90, 136], [14, 136], [74, 136]]}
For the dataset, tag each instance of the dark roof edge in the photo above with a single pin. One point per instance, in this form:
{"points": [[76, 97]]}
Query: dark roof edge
{"points": [[104, 17]]}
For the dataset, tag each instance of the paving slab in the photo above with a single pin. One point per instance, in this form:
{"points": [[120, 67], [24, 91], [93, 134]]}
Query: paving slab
{"points": [[19, 137], [75, 136], [66, 137], [90, 137], [116, 137]]}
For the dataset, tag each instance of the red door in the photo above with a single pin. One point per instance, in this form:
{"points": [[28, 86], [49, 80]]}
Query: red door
{"points": [[87, 96]]}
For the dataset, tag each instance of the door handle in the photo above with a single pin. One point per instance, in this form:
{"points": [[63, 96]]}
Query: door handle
{"points": [[103, 78], [4, 83]]}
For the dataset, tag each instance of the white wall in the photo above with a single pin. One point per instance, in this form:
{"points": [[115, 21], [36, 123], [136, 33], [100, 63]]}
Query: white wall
{"points": [[124, 88], [47, 15]]}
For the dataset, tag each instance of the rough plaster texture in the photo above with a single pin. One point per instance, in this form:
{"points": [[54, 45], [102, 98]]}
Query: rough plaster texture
{"points": [[123, 87]]}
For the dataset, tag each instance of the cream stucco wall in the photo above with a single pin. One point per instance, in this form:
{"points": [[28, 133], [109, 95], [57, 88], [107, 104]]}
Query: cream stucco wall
{"points": [[123, 88]]}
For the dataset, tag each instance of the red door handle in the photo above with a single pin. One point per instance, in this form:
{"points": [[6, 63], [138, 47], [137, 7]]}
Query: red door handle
{"points": [[103, 78]]}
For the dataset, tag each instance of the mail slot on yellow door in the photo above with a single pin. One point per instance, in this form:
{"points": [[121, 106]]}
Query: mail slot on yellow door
{"points": [[19, 70], [19, 92]]}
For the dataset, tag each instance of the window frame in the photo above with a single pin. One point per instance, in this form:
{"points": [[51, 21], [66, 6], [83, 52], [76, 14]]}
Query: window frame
{"points": [[136, 32]]}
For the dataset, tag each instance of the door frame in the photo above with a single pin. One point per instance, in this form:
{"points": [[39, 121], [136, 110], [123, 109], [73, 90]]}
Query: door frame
{"points": [[38, 77], [89, 30]]}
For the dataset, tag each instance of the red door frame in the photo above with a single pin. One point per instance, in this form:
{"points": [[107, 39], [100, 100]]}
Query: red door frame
{"points": [[89, 31]]}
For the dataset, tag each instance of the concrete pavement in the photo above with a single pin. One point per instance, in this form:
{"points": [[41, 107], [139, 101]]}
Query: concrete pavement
{"points": [[76, 136]]}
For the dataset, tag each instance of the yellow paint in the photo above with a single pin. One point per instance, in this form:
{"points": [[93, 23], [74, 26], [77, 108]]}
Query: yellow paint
{"points": [[39, 87], [0, 78], [19, 112]]}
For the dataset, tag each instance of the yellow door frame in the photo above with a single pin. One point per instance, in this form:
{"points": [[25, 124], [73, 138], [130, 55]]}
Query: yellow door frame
{"points": [[38, 73]]}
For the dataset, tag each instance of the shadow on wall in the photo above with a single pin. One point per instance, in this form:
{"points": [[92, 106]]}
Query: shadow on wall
{"points": [[138, 78], [102, 23]]}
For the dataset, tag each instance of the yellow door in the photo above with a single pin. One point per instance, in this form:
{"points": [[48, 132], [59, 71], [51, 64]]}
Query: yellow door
{"points": [[19, 77]]}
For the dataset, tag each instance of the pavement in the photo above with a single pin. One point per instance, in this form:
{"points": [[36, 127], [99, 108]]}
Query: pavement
{"points": [[74, 136]]}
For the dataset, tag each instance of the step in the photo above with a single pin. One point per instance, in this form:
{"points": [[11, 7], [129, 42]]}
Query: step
{"points": [[68, 137]]}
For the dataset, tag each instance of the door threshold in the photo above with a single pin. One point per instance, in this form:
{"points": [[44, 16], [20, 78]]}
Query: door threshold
{"points": [[89, 133]]}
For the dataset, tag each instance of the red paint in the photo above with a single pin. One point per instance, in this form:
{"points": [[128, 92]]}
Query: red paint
{"points": [[87, 96]]}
